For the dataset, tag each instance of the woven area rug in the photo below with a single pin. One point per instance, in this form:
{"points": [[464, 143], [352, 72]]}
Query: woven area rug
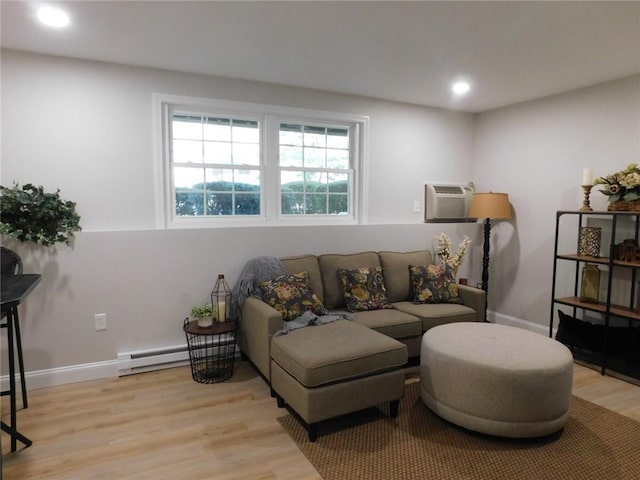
{"points": [[596, 443]]}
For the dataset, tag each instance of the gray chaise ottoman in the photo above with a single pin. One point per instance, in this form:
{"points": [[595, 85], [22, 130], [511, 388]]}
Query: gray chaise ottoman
{"points": [[341, 367], [495, 379]]}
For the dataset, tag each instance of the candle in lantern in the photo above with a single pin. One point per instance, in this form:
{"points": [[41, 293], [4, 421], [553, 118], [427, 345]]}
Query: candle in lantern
{"points": [[222, 311], [587, 176]]}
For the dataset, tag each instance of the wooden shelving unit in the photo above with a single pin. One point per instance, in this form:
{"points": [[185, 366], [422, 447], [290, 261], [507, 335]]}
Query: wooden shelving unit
{"points": [[601, 307], [599, 260], [604, 307]]}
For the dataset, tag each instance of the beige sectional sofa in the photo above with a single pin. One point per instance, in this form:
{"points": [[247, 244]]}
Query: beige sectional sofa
{"points": [[406, 322], [329, 370]]}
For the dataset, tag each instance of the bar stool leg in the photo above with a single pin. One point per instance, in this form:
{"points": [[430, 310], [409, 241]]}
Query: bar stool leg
{"points": [[11, 428], [23, 383], [12, 381]]}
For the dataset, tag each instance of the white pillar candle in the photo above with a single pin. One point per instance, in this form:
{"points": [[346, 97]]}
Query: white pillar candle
{"points": [[222, 311], [587, 176]]}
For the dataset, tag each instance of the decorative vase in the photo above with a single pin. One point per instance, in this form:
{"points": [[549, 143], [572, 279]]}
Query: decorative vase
{"points": [[205, 322], [589, 241], [590, 288]]}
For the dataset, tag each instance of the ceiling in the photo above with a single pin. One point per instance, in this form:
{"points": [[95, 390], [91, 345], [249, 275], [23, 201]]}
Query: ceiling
{"points": [[404, 51]]}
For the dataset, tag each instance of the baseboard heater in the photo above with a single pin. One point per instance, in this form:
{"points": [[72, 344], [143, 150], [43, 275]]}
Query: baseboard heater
{"points": [[130, 363]]}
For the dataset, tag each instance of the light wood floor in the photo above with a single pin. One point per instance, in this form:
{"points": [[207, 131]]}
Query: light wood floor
{"points": [[163, 425]]}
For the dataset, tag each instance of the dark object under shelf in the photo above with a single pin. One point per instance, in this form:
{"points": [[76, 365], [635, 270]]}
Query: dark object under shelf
{"points": [[622, 342]]}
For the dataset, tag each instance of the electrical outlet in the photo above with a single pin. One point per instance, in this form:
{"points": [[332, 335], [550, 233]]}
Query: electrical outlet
{"points": [[100, 320], [416, 206]]}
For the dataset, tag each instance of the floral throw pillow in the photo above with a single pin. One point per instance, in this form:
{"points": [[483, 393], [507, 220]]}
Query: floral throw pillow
{"points": [[434, 284], [364, 289], [292, 295]]}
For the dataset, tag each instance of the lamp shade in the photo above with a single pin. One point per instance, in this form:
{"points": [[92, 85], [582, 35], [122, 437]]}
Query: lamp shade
{"points": [[490, 205]]}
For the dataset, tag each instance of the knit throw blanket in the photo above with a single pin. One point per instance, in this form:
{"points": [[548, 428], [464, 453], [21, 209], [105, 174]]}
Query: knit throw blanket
{"points": [[310, 319], [256, 270]]}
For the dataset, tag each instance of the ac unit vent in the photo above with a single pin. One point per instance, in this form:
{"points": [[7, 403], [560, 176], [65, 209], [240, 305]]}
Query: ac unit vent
{"points": [[448, 190], [447, 203]]}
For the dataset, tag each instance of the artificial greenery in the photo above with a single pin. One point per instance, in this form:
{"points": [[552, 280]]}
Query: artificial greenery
{"points": [[203, 311], [623, 185], [30, 214]]}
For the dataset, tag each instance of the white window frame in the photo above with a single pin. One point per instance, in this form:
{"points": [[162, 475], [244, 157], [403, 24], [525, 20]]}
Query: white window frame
{"points": [[269, 118]]}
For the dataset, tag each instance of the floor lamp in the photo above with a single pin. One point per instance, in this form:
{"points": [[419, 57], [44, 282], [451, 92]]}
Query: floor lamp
{"points": [[488, 206]]}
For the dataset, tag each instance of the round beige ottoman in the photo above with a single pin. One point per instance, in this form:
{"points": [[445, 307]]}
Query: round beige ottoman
{"points": [[495, 379]]}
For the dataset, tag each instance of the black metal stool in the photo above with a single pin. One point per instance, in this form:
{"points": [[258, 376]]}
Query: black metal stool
{"points": [[11, 264]]}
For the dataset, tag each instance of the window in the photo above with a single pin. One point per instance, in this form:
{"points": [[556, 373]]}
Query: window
{"points": [[216, 165], [231, 163], [315, 173]]}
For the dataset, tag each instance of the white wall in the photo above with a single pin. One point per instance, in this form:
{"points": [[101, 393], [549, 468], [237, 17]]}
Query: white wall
{"points": [[86, 128], [536, 152]]}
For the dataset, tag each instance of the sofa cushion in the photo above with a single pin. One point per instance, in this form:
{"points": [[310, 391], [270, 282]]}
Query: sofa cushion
{"points": [[329, 266], [363, 289], [335, 352], [306, 263], [434, 284], [291, 295], [395, 268], [394, 323], [432, 314]]}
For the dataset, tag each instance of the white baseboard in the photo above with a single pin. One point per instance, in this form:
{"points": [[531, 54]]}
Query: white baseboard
{"points": [[64, 375], [93, 371], [503, 319]]}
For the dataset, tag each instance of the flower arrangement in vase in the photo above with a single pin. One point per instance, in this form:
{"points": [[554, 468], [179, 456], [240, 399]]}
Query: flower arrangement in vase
{"points": [[622, 188]]}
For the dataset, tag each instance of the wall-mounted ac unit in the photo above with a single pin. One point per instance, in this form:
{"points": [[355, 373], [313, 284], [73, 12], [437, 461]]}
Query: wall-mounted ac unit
{"points": [[447, 202]]}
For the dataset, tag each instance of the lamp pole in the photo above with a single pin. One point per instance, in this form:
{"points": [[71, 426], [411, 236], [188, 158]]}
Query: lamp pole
{"points": [[485, 263], [488, 205]]}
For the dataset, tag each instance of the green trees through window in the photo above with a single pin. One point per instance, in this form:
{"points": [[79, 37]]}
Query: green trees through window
{"points": [[216, 199]]}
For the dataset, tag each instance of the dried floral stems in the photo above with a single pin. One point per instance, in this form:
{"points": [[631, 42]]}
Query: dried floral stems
{"points": [[445, 249]]}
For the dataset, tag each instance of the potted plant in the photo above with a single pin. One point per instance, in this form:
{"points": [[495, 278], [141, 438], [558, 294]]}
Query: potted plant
{"points": [[29, 214], [204, 314]]}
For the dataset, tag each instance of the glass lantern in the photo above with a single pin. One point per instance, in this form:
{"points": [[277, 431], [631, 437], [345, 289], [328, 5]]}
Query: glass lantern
{"points": [[221, 299]]}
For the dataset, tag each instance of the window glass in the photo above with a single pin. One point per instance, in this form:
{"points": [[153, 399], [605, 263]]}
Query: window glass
{"points": [[213, 189], [187, 127], [217, 152], [246, 154], [315, 161], [217, 129], [290, 134], [245, 132]]}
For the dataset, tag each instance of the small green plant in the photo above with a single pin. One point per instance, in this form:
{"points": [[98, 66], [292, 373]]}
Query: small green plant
{"points": [[30, 214], [203, 311], [204, 314]]}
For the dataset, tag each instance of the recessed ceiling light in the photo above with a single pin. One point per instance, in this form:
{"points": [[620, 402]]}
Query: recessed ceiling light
{"points": [[53, 17], [460, 88]]}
